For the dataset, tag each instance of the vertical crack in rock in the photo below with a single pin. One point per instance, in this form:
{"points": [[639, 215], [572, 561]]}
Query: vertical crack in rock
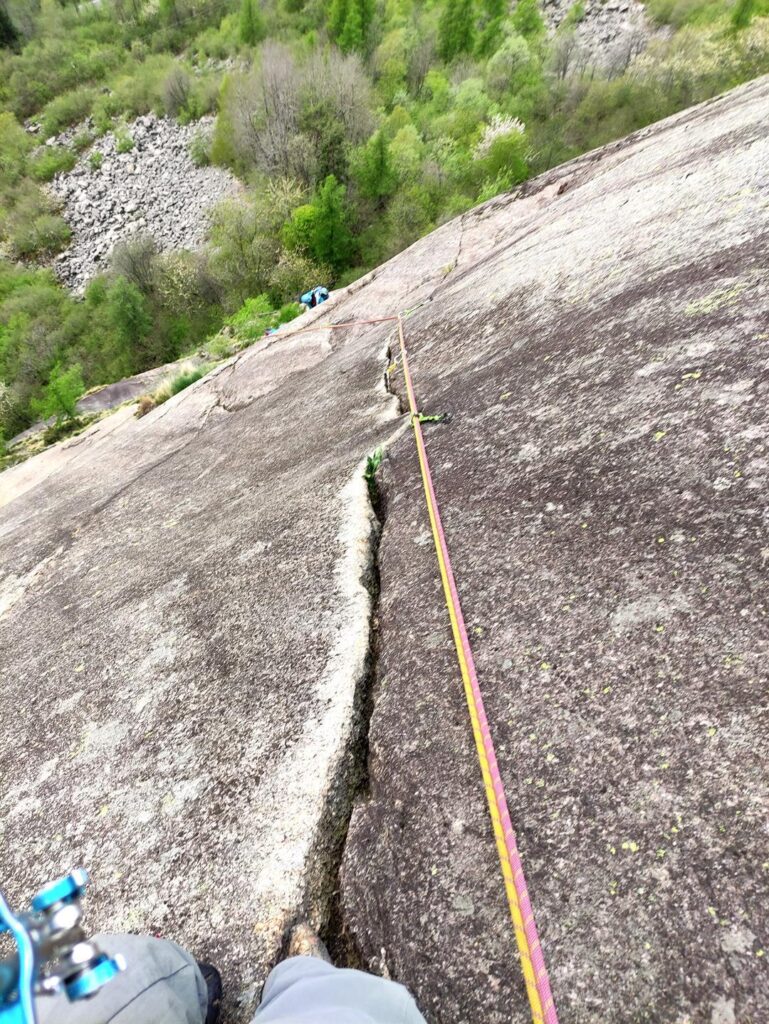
{"points": [[356, 776], [351, 780]]}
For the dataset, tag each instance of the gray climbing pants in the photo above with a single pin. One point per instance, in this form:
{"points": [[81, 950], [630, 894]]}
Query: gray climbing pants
{"points": [[162, 985]]}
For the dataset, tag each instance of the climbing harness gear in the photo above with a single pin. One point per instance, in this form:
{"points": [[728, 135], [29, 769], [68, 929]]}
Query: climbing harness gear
{"points": [[53, 952]]}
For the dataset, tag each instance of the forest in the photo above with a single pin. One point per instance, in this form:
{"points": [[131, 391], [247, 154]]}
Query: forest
{"points": [[355, 126]]}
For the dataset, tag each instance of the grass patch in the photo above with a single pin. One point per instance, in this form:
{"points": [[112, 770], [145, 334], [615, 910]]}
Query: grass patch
{"points": [[373, 462], [171, 386], [53, 161]]}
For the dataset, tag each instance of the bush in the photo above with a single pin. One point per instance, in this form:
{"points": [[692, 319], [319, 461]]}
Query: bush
{"points": [[290, 311], [186, 377], [63, 428], [67, 109], [134, 94], [61, 393], [46, 235], [177, 90], [171, 386], [200, 149], [245, 234], [299, 232], [134, 260], [96, 159], [123, 142], [15, 144], [145, 404], [82, 140], [31, 224], [253, 318], [294, 274], [54, 160]]}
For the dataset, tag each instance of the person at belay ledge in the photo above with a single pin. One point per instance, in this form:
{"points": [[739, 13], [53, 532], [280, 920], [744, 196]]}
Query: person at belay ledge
{"points": [[164, 984], [314, 296]]}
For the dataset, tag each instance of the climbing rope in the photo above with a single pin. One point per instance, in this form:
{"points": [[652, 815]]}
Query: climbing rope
{"points": [[532, 960], [535, 974]]}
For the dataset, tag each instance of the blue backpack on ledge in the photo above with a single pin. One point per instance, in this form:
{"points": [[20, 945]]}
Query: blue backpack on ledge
{"points": [[314, 296]]}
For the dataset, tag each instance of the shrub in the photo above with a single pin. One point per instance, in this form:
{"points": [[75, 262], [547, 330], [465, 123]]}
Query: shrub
{"points": [[200, 149], [134, 94], [332, 240], [31, 224], [15, 144], [186, 377], [221, 347], [253, 317], [177, 90], [54, 160], [63, 428], [299, 232], [64, 388], [246, 244], [350, 275], [145, 404], [46, 235], [96, 159], [134, 260], [251, 24], [294, 274], [67, 109], [123, 142], [171, 386], [507, 68], [290, 311], [82, 140], [127, 313]]}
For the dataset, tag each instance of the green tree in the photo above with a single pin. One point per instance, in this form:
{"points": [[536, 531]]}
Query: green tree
{"points": [[332, 238], [222, 145], [128, 315], [61, 393], [351, 37], [742, 14], [456, 29], [8, 34], [251, 26], [337, 16], [298, 234], [169, 12], [528, 20], [373, 170], [493, 14], [349, 22], [322, 126], [494, 9]]}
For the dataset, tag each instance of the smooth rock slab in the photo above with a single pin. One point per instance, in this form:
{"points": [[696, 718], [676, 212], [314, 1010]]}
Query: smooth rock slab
{"points": [[601, 347], [185, 600]]}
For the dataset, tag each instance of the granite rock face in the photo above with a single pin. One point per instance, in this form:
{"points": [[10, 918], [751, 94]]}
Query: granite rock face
{"points": [[601, 348], [197, 615], [155, 188]]}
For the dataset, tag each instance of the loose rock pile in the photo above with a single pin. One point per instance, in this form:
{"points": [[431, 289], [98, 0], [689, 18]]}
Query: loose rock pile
{"points": [[609, 35], [154, 188]]}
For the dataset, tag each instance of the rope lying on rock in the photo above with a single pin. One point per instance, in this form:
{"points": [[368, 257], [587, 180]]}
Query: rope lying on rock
{"points": [[532, 960], [535, 974]]}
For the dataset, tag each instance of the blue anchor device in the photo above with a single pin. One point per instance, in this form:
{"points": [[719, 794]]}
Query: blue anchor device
{"points": [[53, 953]]}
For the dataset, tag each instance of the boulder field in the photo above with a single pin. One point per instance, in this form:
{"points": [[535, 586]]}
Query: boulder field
{"points": [[228, 679], [154, 188]]}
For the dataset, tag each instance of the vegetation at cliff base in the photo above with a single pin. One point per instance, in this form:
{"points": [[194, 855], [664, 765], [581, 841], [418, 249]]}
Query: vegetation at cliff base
{"points": [[355, 126]]}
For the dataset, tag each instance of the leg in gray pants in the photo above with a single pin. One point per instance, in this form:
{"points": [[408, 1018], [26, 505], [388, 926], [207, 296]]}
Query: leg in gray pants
{"points": [[162, 985]]}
